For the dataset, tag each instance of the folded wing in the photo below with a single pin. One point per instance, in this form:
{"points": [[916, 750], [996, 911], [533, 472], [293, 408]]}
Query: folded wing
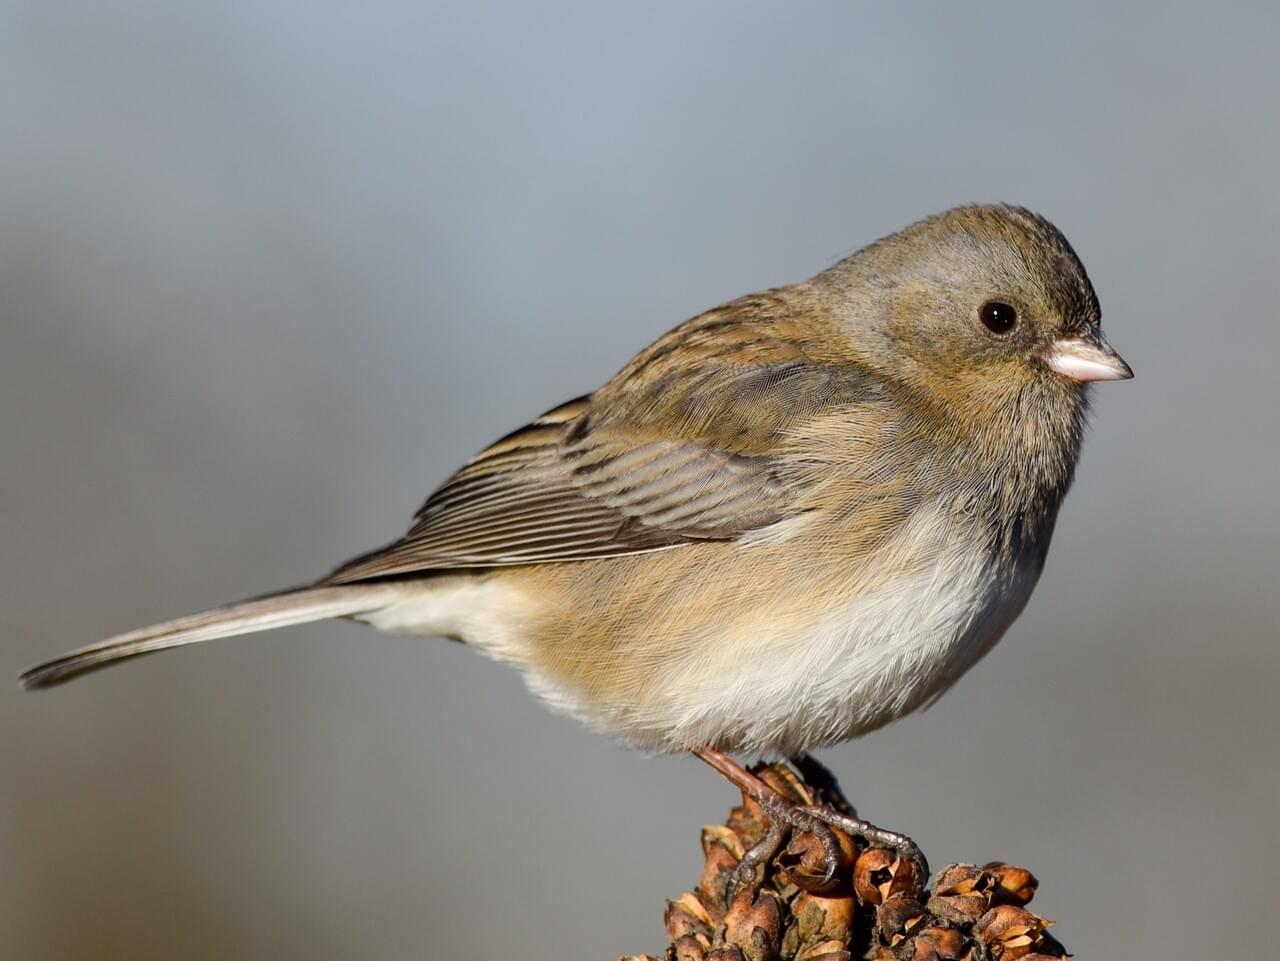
{"points": [[686, 444]]}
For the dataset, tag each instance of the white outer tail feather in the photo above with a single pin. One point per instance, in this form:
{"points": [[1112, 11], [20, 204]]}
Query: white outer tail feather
{"points": [[285, 609]]}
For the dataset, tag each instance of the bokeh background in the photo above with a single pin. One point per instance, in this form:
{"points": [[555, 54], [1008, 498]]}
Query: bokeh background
{"points": [[270, 270]]}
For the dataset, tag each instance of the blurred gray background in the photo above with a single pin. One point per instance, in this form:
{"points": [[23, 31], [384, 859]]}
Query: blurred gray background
{"points": [[269, 271]]}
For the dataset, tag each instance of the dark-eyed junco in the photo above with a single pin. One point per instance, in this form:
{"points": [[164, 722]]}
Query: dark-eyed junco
{"points": [[785, 523]]}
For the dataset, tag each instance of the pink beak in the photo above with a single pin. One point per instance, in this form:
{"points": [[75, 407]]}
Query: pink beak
{"points": [[1085, 357]]}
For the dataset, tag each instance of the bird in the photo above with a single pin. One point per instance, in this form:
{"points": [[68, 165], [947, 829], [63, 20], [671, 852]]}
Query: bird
{"points": [[785, 523]]}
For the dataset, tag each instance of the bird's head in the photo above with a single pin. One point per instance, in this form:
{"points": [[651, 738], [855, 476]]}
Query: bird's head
{"points": [[975, 306]]}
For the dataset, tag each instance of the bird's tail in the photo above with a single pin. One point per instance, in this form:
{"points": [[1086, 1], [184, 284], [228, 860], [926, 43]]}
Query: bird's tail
{"points": [[298, 606]]}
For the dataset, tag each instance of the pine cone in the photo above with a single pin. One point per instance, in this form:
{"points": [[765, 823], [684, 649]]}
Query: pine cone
{"points": [[878, 907]]}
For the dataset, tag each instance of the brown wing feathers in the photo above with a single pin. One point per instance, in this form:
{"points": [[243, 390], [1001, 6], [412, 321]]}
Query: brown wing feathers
{"points": [[648, 462], [555, 502]]}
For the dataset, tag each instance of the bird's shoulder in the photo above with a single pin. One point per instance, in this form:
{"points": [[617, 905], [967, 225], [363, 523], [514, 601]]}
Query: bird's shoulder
{"points": [[737, 378]]}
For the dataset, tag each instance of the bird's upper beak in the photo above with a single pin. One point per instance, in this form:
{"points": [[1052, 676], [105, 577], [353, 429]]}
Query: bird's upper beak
{"points": [[1085, 357]]}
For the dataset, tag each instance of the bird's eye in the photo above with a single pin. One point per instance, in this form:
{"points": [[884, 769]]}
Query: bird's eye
{"points": [[999, 318]]}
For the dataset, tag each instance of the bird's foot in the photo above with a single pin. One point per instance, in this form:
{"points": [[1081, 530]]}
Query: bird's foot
{"points": [[839, 813], [804, 825], [878, 837], [821, 807]]}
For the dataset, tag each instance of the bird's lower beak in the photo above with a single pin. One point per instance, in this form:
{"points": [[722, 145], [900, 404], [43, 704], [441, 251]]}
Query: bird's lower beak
{"points": [[1085, 357]]}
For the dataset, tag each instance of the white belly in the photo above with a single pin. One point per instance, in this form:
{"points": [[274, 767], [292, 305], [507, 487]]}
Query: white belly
{"points": [[867, 661]]}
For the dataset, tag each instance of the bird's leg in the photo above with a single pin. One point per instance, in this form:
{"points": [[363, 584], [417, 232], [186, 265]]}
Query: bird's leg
{"points": [[784, 815]]}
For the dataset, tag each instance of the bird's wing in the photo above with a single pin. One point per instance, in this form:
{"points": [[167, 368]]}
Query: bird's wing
{"points": [[683, 445]]}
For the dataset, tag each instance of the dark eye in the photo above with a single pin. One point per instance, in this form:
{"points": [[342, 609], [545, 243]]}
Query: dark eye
{"points": [[998, 317]]}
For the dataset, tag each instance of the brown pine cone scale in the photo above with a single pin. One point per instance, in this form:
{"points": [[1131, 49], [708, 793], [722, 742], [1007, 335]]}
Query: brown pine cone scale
{"points": [[878, 907]]}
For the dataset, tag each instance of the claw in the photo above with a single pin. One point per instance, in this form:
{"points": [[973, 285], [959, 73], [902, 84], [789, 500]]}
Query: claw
{"points": [[831, 854], [796, 817]]}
